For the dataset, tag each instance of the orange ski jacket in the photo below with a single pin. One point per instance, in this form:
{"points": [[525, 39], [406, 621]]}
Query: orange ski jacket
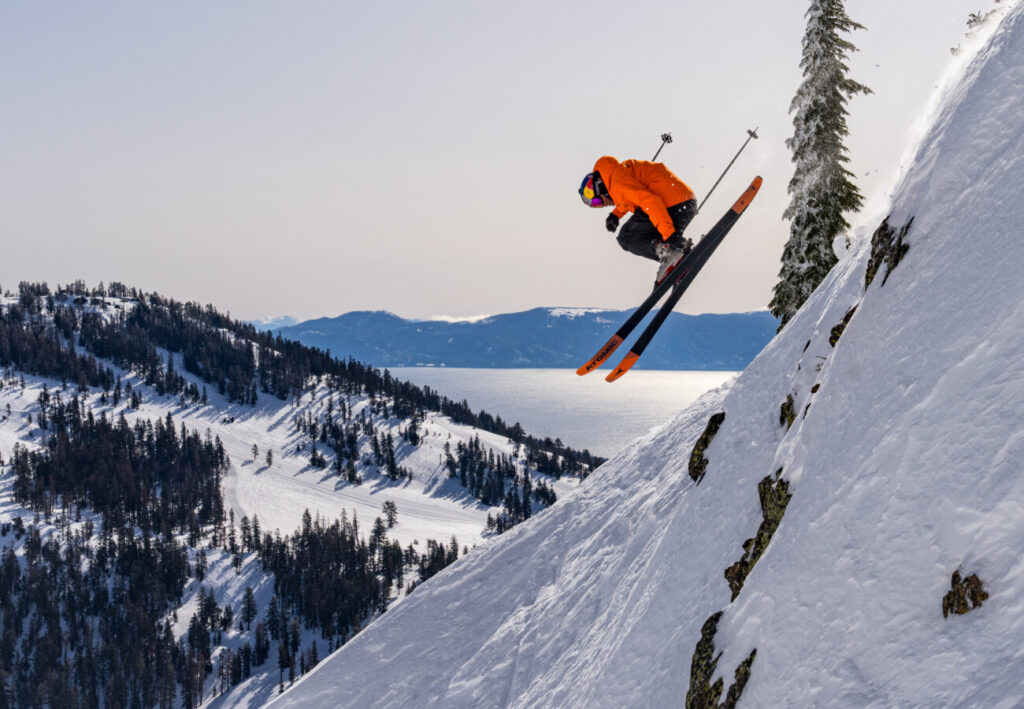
{"points": [[639, 184]]}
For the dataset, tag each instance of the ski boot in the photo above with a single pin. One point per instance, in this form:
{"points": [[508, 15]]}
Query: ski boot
{"points": [[670, 253]]}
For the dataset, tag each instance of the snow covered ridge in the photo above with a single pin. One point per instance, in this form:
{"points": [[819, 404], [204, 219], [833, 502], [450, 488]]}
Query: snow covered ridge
{"points": [[574, 312], [107, 304], [466, 319], [862, 489]]}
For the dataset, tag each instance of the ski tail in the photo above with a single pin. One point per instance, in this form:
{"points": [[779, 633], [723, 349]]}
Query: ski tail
{"points": [[682, 281]]}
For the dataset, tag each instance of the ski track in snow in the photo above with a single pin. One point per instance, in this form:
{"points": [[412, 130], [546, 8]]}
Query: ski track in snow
{"points": [[904, 465]]}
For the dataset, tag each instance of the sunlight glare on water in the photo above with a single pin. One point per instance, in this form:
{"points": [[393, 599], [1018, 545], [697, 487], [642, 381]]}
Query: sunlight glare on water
{"points": [[585, 412]]}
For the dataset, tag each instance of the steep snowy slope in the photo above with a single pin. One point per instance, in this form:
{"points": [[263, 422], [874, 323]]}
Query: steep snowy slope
{"points": [[901, 447]]}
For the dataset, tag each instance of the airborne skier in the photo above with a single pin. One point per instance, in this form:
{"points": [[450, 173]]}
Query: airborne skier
{"points": [[677, 284], [662, 206]]}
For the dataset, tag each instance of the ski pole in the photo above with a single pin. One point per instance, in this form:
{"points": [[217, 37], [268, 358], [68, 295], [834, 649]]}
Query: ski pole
{"points": [[753, 135], [665, 138]]}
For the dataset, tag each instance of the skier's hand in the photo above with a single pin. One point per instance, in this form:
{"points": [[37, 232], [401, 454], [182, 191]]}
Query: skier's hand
{"points": [[612, 222]]}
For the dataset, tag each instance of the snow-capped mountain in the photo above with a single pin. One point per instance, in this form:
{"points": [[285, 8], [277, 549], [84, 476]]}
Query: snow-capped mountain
{"points": [[841, 526], [542, 337]]}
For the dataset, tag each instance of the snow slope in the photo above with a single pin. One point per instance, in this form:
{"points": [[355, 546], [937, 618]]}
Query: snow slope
{"points": [[430, 505], [903, 462]]}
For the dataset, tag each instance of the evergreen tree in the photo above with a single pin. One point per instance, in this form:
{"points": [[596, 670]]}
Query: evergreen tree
{"points": [[273, 619], [821, 188], [390, 510], [248, 607]]}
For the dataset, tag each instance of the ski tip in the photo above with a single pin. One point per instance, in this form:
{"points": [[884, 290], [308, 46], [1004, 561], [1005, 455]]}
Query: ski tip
{"points": [[624, 366], [598, 359], [748, 196]]}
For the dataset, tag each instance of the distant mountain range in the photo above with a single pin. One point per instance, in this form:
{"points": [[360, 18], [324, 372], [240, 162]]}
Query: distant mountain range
{"points": [[541, 338]]}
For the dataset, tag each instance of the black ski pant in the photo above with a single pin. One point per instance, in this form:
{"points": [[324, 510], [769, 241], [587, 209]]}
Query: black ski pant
{"points": [[639, 236]]}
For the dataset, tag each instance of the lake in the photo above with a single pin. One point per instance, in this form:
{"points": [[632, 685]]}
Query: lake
{"points": [[585, 412]]}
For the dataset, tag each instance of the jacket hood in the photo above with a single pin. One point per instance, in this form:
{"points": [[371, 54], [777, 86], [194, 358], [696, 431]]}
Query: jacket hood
{"points": [[605, 166]]}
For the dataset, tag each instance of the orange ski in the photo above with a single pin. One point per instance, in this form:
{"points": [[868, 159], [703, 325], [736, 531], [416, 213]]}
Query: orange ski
{"points": [[602, 354]]}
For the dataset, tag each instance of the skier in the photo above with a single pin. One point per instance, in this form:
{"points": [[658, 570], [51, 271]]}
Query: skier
{"points": [[661, 203]]}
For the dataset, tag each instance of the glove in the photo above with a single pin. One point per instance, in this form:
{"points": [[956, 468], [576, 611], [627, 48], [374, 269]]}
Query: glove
{"points": [[612, 222]]}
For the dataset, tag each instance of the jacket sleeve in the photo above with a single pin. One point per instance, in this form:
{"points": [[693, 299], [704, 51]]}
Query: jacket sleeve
{"points": [[632, 191]]}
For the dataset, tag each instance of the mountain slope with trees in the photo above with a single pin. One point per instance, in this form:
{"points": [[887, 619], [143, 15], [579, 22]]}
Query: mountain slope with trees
{"points": [[191, 508]]}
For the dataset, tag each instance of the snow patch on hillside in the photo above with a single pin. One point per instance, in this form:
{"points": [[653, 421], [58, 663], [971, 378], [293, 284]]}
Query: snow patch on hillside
{"points": [[574, 312], [463, 319]]}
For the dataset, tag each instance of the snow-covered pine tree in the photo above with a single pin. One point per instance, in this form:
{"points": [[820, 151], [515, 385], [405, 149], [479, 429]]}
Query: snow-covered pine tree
{"points": [[822, 188]]}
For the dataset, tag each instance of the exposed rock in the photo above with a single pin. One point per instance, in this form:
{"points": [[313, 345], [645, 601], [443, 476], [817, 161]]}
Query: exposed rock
{"points": [[741, 676], [775, 496], [886, 247], [787, 413], [837, 330], [703, 694], [963, 591], [698, 463]]}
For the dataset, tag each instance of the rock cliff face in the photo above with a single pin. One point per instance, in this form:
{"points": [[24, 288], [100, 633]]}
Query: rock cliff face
{"points": [[894, 464]]}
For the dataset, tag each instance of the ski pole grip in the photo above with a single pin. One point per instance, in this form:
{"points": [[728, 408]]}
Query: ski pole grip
{"points": [[665, 138]]}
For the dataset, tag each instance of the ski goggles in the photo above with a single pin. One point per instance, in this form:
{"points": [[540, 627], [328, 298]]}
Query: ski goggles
{"points": [[589, 192]]}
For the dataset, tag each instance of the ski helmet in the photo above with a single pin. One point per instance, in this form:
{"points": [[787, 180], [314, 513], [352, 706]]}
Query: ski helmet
{"points": [[593, 192]]}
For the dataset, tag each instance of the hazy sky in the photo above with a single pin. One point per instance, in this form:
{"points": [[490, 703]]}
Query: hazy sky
{"points": [[312, 158]]}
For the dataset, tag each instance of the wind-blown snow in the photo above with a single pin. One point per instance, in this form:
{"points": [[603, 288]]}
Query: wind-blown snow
{"points": [[904, 465]]}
